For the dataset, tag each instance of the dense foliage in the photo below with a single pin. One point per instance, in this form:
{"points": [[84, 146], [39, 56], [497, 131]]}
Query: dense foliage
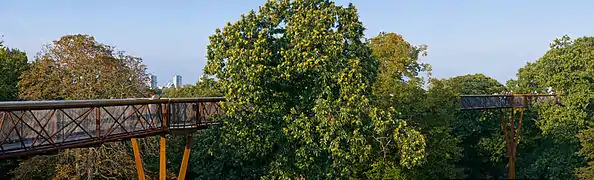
{"points": [[12, 63], [298, 80], [78, 67], [480, 132], [567, 70], [399, 86]]}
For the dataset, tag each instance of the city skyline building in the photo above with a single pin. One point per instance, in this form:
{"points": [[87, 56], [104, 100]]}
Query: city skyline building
{"points": [[152, 81], [177, 81]]}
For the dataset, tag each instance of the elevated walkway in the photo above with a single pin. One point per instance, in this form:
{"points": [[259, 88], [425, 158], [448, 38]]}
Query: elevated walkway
{"points": [[37, 127], [480, 102]]}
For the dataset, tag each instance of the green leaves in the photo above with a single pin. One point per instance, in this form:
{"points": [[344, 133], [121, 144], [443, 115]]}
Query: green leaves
{"points": [[398, 58], [479, 132], [586, 138], [306, 74], [428, 151], [12, 63], [566, 70]]}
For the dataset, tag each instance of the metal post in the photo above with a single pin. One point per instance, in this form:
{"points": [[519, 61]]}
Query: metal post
{"points": [[165, 117], [196, 117], [512, 146], [509, 142], [98, 122], [2, 119], [185, 159], [138, 160], [162, 158]]}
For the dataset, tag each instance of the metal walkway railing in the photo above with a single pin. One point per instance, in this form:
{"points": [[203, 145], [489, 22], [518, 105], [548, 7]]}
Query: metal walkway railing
{"points": [[35, 127], [511, 127], [478, 102]]}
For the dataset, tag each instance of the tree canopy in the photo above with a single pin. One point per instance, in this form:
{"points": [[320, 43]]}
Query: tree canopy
{"points": [[78, 67], [297, 77], [479, 132], [12, 63]]}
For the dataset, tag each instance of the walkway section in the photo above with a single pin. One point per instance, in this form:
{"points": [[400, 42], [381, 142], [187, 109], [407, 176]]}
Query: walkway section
{"points": [[37, 127], [479, 102]]}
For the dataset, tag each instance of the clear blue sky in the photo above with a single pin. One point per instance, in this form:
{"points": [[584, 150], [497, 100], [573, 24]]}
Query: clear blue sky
{"points": [[474, 36]]}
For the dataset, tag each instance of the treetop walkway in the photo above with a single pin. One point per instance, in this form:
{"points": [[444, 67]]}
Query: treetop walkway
{"points": [[39, 127], [511, 127], [482, 102]]}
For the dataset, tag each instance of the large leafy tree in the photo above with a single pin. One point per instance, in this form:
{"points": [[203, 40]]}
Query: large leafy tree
{"points": [[79, 67], [483, 154], [400, 86], [398, 82], [297, 77], [12, 63], [567, 69]]}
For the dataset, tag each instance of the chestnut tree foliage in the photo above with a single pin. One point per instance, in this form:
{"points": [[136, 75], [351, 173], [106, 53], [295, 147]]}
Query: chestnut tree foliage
{"points": [[297, 76]]}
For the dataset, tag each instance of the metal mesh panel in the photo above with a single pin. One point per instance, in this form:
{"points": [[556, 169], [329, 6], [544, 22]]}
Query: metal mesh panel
{"points": [[182, 115], [41, 126], [472, 102], [208, 109]]}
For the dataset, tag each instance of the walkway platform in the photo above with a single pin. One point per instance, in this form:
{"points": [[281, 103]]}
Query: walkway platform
{"points": [[37, 127]]}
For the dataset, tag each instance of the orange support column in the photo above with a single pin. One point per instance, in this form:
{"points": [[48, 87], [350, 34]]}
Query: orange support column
{"points": [[139, 168], [162, 159], [185, 159]]}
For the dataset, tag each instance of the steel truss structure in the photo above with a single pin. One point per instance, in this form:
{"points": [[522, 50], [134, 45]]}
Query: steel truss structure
{"points": [[39, 127], [479, 102], [511, 104]]}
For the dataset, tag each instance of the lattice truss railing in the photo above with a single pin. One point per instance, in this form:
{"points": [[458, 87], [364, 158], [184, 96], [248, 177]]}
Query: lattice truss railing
{"points": [[34, 127], [470, 102]]}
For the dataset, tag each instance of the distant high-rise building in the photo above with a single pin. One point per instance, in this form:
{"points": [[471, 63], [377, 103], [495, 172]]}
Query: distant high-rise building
{"points": [[177, 81], [152, 81]]}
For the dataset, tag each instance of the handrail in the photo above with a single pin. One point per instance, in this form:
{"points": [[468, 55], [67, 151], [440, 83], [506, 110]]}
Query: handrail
{"points": [[40, 105], [34, 127], [478, 102], [504, 95]]}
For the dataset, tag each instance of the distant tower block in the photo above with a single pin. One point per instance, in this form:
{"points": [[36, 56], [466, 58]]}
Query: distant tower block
{"points": [[177, 81], [152, 81]]}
